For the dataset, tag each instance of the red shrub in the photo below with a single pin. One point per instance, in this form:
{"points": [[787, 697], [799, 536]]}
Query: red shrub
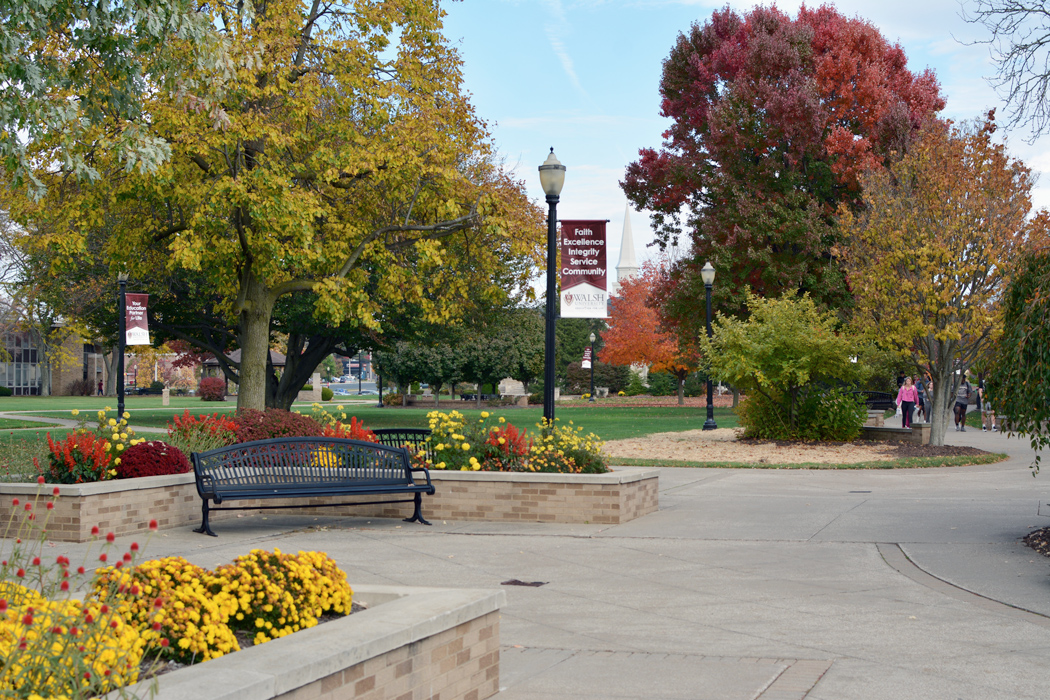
{"points": [[212, 389], [274, 423], [151, 458], [356, 430]]}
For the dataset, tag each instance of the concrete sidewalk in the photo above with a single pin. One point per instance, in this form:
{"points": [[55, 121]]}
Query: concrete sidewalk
{"points": [[828, 585]]}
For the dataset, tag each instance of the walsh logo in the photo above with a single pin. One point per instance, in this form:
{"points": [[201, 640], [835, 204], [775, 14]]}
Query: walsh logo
{"points": [[568, 300]]}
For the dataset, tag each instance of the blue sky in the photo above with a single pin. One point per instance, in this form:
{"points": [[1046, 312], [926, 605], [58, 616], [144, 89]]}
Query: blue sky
{"points": [[583, 76]]}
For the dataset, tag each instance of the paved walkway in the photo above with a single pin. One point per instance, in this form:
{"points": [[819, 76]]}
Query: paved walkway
{"points": [[826, 585]]}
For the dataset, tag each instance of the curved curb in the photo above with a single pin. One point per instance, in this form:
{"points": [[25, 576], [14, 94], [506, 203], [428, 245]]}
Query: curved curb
{"points": [[893, 555]]}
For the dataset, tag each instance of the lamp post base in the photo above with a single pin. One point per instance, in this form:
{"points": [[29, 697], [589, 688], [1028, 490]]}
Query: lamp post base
{"points": [[709, 424]]}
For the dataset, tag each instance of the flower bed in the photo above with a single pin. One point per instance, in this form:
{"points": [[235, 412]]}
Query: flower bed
{"points": [[122, 506], [415, 642]]}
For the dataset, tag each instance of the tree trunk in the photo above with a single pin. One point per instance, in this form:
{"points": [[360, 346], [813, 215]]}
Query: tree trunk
{"points": [[941, 366], [477, 396], [254, 336], [681, 392], [736, 397], [111, 369]]}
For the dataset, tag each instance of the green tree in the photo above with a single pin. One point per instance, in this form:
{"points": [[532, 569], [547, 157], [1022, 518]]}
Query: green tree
{"points": [[785, 349], [1019, 381], [74, 71], [346, 163]]}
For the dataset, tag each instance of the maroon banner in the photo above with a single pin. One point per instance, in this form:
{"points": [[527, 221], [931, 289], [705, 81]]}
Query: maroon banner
{"points": [[586, 364], [584, 282], [137, 328]]}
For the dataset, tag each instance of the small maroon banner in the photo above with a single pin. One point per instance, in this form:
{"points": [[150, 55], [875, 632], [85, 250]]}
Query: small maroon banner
{"points": [[136, 328], [584, 281], [586, 364]]}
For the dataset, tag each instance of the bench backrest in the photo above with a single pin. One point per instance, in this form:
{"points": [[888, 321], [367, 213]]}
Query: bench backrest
{"points": [[415, 438], [309, 461]]}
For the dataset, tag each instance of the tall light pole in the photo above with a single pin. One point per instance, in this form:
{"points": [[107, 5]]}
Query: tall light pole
{"points": [[122, 287], [552, 177], [708, 275], [592, 368], [379, 383], [360, 370]]}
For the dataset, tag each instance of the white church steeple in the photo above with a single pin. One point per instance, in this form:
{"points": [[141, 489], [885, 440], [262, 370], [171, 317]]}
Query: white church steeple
{"points": [[628, 265]]}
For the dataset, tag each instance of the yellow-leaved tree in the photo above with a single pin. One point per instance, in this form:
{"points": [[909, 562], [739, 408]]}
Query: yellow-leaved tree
{"points": [[344, 160], [930, 254]]}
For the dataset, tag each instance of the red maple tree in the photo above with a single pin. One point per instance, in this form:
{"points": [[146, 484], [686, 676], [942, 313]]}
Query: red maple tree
{"points": [[773, 121]]}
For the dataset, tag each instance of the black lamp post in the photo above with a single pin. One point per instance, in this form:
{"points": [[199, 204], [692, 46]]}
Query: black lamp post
{"points": [[592, 368], [379, 383], [122, 285], [552, 177], [360, 370], [708, 275]]}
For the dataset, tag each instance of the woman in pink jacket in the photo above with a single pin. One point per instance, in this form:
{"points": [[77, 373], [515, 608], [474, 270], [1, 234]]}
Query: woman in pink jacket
{"points": [[907, 397]]}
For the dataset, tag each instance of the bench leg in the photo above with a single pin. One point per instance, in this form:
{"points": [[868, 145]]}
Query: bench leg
{"points": [[204, 520], [417, 516]]}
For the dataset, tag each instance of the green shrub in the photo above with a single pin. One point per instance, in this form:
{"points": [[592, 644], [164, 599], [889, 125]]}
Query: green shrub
{"points": [[831, 414], [696, 384], [635, 386], [156, 387], [6, 391], [414, 389], [536, 398], [393, 399], [662, 384], [326, 394]]}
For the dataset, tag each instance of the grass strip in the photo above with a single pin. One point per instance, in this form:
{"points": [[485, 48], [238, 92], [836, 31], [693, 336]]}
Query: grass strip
{"points": [[903, 463], [13, 423]]}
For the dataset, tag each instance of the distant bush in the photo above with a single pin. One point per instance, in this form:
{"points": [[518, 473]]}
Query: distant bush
{"points": [[81, 387], [6, 391], [212, 389], [152, 458], [662, 384], [274, 423], [536, 398], [392, 399], [156, 387], [326, 394], [635, 386], [578, 379]]}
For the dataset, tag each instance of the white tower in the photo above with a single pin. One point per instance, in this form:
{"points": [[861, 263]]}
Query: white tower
{"points": [[628, 265]]}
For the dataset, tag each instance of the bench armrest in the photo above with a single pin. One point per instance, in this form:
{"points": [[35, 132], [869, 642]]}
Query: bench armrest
{"points": [[424, 470]]}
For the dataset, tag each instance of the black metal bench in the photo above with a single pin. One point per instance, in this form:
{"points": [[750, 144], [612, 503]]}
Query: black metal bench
{"points": [[415, 439], [877, 400], [305, 468]]}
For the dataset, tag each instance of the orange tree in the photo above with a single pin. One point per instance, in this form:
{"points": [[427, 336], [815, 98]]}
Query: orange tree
{"points": [[344, 160], [930, 255], [636, 335]]}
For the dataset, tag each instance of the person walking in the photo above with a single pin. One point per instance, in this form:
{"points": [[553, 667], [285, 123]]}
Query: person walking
{"points": [[100, 387], [987, 412], [962, 401], [907, 397], [920, 389]]}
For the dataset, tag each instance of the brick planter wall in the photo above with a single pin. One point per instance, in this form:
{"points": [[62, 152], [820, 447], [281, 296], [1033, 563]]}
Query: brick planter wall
{"points": [[411, 644], [126, 506]]}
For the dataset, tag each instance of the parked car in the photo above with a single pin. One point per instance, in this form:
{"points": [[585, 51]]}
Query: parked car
{"points": [[368, 392]]}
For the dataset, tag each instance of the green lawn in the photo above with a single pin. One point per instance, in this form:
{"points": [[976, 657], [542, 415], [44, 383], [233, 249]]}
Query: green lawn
{"points": [[18, 448], [8, 423]]}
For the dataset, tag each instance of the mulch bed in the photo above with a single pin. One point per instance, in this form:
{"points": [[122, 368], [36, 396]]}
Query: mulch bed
{"points": [[900, 449], [1039, 540]]}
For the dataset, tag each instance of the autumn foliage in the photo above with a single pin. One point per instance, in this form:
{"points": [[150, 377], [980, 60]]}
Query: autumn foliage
{"points": [[636, 334], [773, 121], [931, 254]]}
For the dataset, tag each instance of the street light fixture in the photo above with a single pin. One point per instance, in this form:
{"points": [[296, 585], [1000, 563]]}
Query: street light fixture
{"points": [[592, 368], [122, 288], [552, 177], [708, 275]]}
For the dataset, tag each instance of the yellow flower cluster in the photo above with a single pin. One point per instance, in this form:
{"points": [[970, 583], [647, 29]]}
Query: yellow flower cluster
{"points": [[117, 434], [564, 448], [270, 595], [58, 648], [192, 615]]}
